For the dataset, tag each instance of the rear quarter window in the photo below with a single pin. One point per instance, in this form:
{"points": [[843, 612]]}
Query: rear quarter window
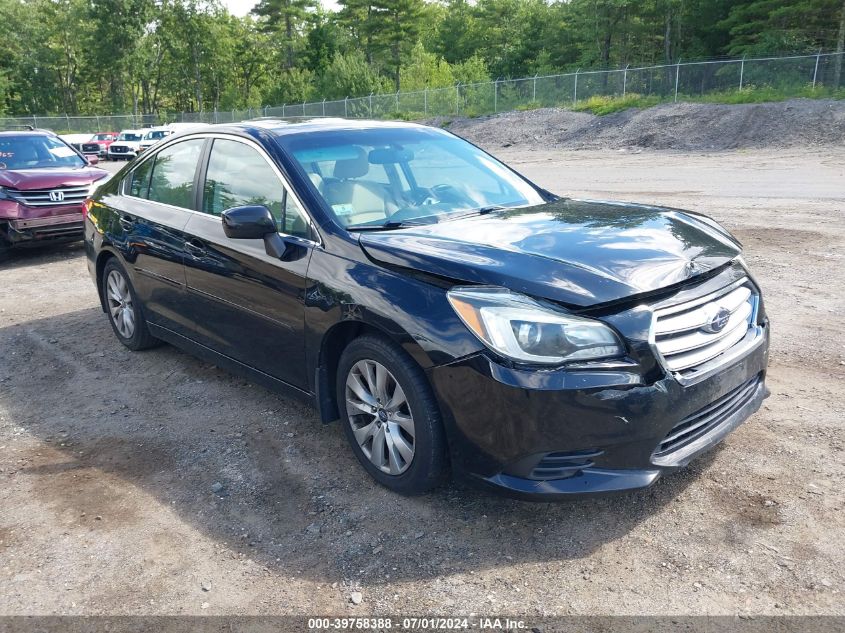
{"points": [[138, 182], [172, 180]]}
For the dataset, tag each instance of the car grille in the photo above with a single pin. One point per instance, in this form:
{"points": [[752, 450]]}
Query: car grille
{"points": [[705, 420], [692, 334], [42, 197], [118, 149], [562, 465], [90, 148]]}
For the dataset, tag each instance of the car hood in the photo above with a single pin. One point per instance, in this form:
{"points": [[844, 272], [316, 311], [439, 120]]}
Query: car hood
{"points": [[577, 252], [49, 178]]}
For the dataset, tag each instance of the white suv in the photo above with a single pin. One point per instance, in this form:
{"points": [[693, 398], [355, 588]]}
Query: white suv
{"points": [[152, 136], [126, 146]]}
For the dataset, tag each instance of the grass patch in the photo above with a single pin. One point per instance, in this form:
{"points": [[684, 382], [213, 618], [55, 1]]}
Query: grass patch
{"points": [[601, 106], [764, 94], [531, 105], [404, 115]]}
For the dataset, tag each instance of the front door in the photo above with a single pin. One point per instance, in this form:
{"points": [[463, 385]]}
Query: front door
{"points": [[246, 304]]}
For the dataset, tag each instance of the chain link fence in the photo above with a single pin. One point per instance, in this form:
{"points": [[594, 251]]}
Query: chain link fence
{"points": [[795, 75]]}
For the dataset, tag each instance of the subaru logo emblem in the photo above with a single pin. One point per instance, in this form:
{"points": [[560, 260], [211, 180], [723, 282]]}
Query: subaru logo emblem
{"points": [[57, 196], [718, 322]]}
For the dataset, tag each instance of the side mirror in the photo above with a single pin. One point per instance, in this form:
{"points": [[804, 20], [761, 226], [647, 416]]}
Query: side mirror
{"points": [[92, 160], [252, 222], [256, 223]]}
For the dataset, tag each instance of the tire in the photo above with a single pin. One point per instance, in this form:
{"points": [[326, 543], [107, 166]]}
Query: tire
{"points": [[5, 248], [396, 424], [124, 310]]}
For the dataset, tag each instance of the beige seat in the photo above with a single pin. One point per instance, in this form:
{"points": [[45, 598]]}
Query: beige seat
{"points": [[366, 200], [318, 182]]}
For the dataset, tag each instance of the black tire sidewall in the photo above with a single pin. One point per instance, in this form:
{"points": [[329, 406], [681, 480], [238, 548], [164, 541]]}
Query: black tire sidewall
{"points": [[429, 464], [139, 337]]}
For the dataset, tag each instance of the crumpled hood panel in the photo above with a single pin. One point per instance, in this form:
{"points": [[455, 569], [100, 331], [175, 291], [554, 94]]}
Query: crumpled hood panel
{"points": [[577, 252], [49, 178]]}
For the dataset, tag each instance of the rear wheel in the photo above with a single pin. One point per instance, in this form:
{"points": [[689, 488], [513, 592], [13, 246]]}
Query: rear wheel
{"points": [[390, 416], [124, 310]]}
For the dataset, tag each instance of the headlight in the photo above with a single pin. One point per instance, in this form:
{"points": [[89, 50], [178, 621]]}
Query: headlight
{"points": [[524, 330]]}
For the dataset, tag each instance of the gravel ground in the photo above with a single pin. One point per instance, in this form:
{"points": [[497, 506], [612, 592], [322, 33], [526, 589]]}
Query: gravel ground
{"points": [[681, 126], [153, 483]]}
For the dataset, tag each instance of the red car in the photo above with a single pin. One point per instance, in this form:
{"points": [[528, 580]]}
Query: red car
{"points": [[43, 184], [98, 144]]}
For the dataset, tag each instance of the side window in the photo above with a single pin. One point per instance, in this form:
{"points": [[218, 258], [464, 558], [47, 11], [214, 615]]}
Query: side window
{"points": [[238, 175], [294, 221], [172, 181], [139, 179]]}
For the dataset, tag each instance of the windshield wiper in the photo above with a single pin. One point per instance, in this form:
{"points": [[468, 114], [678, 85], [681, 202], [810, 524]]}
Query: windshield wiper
{"points": [[480, 211], [387, 226], [490, 209], [396, 224]]}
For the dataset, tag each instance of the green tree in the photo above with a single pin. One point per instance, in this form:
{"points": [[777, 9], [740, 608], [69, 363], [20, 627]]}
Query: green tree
{"points": [[388, 31], [287, 19], [321, 43], [771, 26], [350, 76], [116, 29]]}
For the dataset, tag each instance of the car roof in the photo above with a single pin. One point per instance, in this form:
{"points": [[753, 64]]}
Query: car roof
{"points": [[27, 132], [141, 131], [284, 127]]}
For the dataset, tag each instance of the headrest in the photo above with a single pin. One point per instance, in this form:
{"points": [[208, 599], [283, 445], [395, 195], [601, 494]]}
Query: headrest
{"points": [[352, 167], [317, 181]]}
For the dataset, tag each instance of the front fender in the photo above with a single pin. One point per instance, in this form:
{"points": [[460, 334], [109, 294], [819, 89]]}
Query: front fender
{"points": [[346, 297], [413, 313]]}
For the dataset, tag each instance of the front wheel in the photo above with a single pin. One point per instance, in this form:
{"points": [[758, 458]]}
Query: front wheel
{"points": [[5, 248], [124, 310], [390, 416]]}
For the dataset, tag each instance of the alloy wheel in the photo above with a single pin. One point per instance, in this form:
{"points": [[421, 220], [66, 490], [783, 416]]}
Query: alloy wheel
{"points": [[120, 306], [380, 417]]}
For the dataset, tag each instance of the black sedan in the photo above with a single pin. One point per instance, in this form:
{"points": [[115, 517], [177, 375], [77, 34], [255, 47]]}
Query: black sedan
{"points": [[453, 315]]}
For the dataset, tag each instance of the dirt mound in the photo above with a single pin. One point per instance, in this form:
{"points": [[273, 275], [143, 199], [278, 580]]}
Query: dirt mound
{"points": [[677, 126]]}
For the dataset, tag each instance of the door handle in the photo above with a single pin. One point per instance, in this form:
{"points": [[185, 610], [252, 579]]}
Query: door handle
{"points": [[195, 248], [126, 222]]}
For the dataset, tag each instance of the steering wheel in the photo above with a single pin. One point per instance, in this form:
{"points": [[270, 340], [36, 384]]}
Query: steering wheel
{"points": [[451, 193], [441, 194]]}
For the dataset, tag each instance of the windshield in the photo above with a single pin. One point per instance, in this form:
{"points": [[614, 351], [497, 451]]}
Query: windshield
{"points": [[32, 151], [154, 135], [388, 176], [103, 137], [129, 136]]}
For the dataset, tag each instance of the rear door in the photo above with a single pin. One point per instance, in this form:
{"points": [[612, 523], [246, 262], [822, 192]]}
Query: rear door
{"points": [[158, 197], [246, 304]]}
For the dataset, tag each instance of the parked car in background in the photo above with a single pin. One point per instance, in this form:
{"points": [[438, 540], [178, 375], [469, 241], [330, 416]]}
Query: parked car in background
{"points": [[43, 184], [126, 146], [76, 140], [99, 144], [153, 136], [448, 311]]}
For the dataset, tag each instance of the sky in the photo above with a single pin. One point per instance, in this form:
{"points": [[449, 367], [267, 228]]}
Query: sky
{"points": [[242, 7]]}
